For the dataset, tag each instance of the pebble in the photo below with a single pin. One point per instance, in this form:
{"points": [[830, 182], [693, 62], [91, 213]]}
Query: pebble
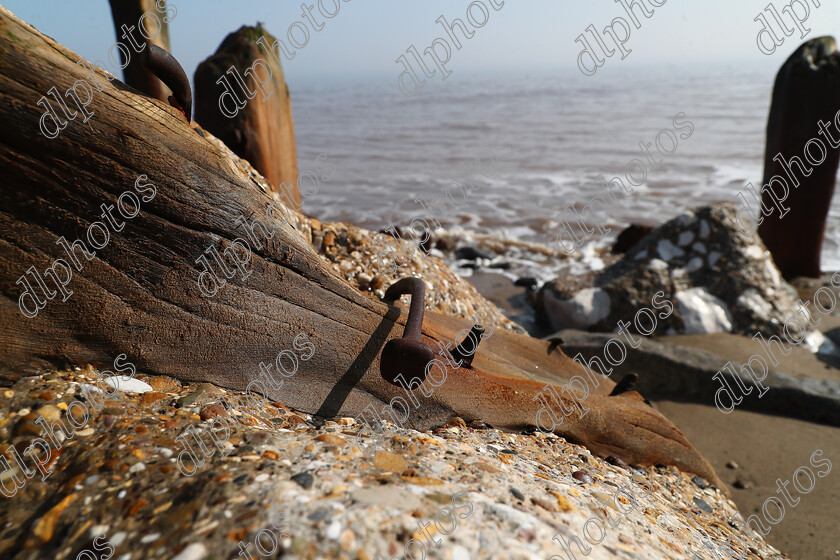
{"points": [[319, 514], [364, 280], [136, 468], [194, 551], [456, 422], [98, 530], [603, 499], [471, 253], [517, 493], [741, 484], [732, 465], [550, 505], [27, 428], [334, 530], [583, 477], [127, 384], [702, 505], [387, 461], [331, 439], [49, 412], [150, 538], [528, 282], [482, 466], [45, 526], [164, 384], [212, 411], [305, 479], [206, 390], [521, 519], [612, 460], [347, 540], [699, 482]]}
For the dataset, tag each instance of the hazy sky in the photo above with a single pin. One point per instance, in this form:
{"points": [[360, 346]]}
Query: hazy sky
{"points": [[366, 36]]}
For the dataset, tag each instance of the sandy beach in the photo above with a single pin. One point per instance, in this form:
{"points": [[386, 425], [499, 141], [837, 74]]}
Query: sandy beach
{"points": [[766, 448]]}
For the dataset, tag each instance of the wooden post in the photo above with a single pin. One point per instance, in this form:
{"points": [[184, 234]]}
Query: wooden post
{"points": [[256, 124], [807, 90]]}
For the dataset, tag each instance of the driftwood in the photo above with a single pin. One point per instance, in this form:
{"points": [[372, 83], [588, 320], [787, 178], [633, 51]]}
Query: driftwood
{"points": [[261, 129], [139, 294], [128, 13], [807, 90]]}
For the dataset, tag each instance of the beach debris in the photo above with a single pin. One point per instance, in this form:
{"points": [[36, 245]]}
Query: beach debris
{"points": [[350, 491], [407, 355]]}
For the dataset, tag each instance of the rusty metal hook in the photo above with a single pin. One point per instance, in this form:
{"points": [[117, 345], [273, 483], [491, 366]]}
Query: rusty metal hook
{"points": [[407, 355], [164, 66]]}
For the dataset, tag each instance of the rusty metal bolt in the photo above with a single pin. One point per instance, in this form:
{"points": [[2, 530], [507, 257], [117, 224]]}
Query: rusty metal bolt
{"points": [[627, 382], [465, 352], [407, 355]]}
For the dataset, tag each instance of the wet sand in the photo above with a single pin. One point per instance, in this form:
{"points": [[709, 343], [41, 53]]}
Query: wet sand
{"points": [[767, 448]]}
